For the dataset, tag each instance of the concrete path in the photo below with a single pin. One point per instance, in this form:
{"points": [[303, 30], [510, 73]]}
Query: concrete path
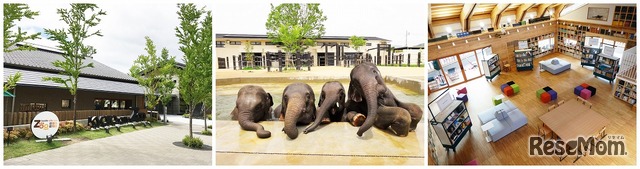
{"points": [[160, 145]]}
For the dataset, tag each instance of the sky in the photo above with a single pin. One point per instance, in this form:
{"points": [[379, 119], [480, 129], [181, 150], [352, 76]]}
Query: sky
{"points": [[385, 19], [123, 29]]}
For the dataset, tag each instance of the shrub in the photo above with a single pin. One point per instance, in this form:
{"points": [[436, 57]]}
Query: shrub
{"points": [[13, 137], [194, 142], [206, 132], [209, 116], [151, 119], [24, 133], [210, 126], [186, 115]]}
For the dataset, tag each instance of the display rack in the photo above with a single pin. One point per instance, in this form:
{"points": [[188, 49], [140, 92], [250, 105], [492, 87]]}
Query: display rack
{"points": [[625, 88], [524, 59], [491, 67], [589, 56], [452, 123], [624, 16], [606, 67], [570, 39]]}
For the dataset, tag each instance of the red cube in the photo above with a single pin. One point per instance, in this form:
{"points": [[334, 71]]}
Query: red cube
{"points": [[545, 97]]}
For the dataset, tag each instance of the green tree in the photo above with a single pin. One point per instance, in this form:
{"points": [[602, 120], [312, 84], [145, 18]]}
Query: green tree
{"points": [[295, 26], [155, 75], [196, 43], [13, 12], [248, 49], [357, 42], [80, 18]]}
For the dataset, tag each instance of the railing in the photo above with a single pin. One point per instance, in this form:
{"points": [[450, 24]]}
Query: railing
{"points": [[19, 118]]}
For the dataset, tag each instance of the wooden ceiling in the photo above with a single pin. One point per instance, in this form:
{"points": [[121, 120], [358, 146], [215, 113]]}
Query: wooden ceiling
{"points": [[443, 14]]}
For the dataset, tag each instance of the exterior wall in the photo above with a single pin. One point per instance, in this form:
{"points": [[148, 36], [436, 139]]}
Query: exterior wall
{"points": [[414, 56], [228, 51], [53, 98]]}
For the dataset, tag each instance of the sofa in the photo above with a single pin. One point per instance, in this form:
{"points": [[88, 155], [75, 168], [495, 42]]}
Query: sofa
{"points": [[555, 65], [505, 119]]}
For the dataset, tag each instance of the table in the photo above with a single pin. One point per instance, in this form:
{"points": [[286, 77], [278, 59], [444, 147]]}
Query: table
{"points": [[486, 128], [572, 119]]}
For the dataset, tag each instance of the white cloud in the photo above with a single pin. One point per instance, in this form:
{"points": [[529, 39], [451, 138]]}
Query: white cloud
{"points": [[385, 19], [123, 28]]}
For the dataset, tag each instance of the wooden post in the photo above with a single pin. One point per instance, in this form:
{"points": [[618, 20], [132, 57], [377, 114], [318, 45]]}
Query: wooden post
{"points": [[419, 58], [409, 60], [234, 62]]}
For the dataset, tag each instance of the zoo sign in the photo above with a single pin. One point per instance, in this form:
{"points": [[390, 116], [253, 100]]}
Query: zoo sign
{"points": [[45, 124]]}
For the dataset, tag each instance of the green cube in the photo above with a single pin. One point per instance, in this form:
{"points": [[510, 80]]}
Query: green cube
{"points": [[516, 88], [539, 92], [496, 101]]}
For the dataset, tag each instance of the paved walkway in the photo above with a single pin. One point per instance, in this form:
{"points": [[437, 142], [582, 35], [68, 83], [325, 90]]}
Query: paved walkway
{"points": [[416, 73], [160, 145]]}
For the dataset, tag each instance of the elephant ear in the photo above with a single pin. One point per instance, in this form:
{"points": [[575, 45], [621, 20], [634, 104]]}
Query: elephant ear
{"points": [[270, 99], [353, 93]]}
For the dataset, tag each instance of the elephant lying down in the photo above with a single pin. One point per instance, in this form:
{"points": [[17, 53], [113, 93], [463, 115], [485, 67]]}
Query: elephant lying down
{"points": [[253, 105]]}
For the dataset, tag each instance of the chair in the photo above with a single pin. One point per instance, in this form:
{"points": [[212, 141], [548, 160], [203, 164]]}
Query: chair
{"points": [[544, 131], [586, 103], [602, 133], [560, 102], [506, 66]]}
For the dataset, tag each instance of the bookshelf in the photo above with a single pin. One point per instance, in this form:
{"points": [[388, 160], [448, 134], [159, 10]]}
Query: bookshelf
{"points": [[524, 59], [453, 122], [606, 67], [589, 56], [625, 88], [538, 51], [624, 16], [491, 67], [600, 30]]}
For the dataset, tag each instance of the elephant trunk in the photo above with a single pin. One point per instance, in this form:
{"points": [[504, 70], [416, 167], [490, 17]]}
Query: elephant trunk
{"points": [[321, 113], [371, 96], [248, 124], [293, 112]]}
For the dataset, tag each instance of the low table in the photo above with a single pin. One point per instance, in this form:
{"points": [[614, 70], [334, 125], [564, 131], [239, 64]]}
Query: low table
{"points": [[486, 128]]}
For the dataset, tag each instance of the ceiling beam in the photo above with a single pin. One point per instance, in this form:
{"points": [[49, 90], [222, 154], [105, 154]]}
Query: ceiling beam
{"points": [[542, 9], [496, 12], [558, 10], [465, 14], [522, 10]]}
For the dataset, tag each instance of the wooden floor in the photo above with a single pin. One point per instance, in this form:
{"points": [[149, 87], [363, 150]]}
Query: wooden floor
{"points": [[513, 148]]}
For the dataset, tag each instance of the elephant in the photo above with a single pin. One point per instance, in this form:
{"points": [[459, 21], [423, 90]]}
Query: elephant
{"points": [[297, 107], [330, 105], [396, 119], [367, 92], [253, 105]]}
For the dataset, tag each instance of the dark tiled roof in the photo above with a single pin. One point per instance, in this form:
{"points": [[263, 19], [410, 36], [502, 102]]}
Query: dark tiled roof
{"points": [[41, 59], [34, 78], [255, 36]]}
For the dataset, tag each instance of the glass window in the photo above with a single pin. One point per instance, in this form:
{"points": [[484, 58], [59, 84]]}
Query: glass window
{"points": [[219, 44], [106, 103], [470, 64], [122, 104], [235, 43], [256, 43], [618, 50], [368, 44], [65, 103], [114, 104], [270, 43], [480, 55], [452, 71], [436, 78]]}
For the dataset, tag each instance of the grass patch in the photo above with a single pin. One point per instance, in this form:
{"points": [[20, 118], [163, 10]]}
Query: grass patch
{"points": [[26, 147]]}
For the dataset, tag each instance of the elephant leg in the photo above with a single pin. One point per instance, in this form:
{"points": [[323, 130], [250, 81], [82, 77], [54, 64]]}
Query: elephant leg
{"points": [[395, 119], [415, 111], [355, 118]]}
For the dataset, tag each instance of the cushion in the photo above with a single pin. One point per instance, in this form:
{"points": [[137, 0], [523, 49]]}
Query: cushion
{"points": [[510, 83], [554, 94], [546, 89], [584, 85], [508, 91], [497, 101], [592, 89], [585, 94], [502, 87], [555, 62], [539, 92], [545, 97], [499, 114], [516, 88], [463, 90], [462, 97], [577, 90]]}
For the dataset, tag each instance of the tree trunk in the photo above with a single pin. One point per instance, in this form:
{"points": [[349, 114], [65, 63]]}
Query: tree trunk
{"points": [[205, 116], [191, 108], [75, 113], [165, 114]]}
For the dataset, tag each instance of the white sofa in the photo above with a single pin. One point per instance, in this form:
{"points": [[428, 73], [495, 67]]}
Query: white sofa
{"points": [[505, 119], [555, 67]]}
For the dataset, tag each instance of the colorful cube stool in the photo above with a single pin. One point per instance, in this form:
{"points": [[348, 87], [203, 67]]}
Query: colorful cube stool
{"points": [[496, 101], [554, 94], [539, 92], [592, 89], [516, 88], [508, 91], [577, 90], [584, 85], [547, 88], [545, 97], [585, 94], [502, 87], [510, 83], [462, 97]]}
